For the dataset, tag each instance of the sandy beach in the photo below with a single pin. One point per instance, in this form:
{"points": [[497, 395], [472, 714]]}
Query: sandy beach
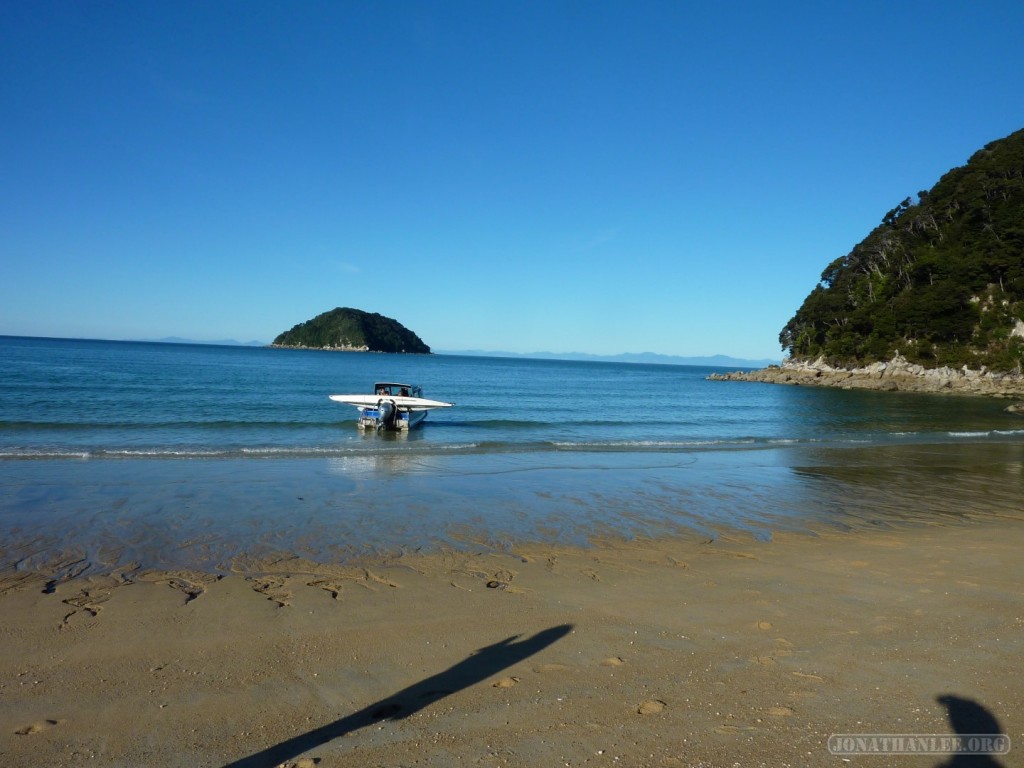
{"points": [[670, 652]]}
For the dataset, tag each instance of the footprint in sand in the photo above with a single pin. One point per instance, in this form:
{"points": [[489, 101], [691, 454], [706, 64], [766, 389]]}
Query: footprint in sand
{"points": [[542, 668], [190, 583], [330, 586], [613, 661], [375, 579], [273, 589], [190, 589], [505, 682], [651, 707], [365, 578], [86, 603], [503, 586], [781, 711], [29, 730], [764, 625]]}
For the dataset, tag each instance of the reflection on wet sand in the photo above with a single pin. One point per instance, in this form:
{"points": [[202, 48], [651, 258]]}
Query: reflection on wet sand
{"points": [[105, 515], [918, 484]]}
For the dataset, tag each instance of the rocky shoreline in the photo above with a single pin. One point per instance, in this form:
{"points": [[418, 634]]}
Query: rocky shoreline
{"points": [[327, 348], [896, 375]]}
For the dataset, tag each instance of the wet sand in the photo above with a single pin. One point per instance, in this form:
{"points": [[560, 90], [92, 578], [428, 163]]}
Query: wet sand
{"points": [[668, 652]]}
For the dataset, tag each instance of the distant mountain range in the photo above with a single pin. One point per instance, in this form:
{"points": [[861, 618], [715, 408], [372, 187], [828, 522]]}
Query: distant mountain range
{"points": [[709, 361], [216, 343], [627, 357]]}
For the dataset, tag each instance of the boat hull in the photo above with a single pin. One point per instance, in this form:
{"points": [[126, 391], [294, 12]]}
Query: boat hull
{"points": [[393, 406]]}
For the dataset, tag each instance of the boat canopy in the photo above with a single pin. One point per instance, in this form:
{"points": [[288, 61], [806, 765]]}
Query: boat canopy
{"points": [[396, 389]]}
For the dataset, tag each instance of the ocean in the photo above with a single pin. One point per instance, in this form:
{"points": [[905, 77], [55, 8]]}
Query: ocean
{"points": [[117, 454]]}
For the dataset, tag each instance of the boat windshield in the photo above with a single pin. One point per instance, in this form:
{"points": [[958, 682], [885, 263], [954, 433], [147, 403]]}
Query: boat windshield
{"points": [[394, 389]]}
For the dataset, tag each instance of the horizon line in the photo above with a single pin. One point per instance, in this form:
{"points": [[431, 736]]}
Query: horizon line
{"points": [[465, 352]]}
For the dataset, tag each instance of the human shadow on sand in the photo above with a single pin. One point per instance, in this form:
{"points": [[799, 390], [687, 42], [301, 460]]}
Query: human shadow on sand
{"points": [[474, 668], [969, 718]]}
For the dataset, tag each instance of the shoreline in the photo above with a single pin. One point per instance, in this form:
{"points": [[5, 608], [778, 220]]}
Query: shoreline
{"points": [[896, 375], [342, 348], [657, 652], [66, 518]]}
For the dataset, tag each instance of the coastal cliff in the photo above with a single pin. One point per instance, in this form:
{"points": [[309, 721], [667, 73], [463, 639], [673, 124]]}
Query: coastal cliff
{"points": [[894, 375]]}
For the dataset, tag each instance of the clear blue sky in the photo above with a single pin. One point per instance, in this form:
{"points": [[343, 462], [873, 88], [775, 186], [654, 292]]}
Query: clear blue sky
{"points": [[596, 177]]}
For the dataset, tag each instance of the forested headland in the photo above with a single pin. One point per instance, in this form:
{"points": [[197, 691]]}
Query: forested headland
{"points": [[932, 300], [939, 282]]}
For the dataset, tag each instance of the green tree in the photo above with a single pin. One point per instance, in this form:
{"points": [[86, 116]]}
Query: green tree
{"points": [[939, 279]]}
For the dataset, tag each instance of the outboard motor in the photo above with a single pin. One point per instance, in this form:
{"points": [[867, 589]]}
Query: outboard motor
{"points": [[387, 414]]}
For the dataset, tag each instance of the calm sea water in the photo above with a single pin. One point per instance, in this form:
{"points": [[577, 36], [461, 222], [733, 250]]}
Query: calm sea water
{"points": [[189, 455]]}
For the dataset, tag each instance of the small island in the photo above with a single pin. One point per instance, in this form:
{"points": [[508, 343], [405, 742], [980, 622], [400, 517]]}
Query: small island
{"points": [[344, 329]]}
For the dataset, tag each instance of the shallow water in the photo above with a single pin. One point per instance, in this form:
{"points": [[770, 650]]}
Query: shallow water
{"points": [[117, 453]]}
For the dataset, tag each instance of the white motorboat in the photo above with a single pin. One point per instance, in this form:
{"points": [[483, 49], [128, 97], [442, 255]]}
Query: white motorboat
{"points": [[391, 406]]}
